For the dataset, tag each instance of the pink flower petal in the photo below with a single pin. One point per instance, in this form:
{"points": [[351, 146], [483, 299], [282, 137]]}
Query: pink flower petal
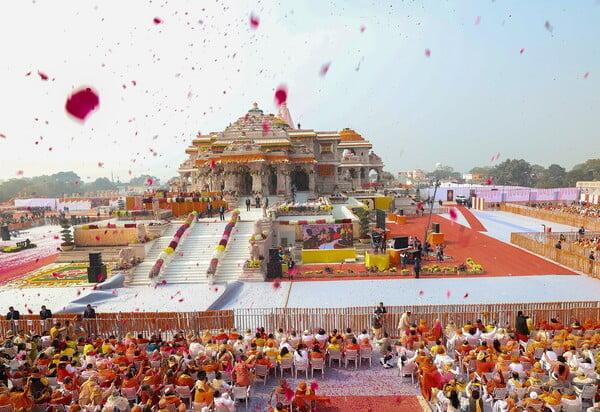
{"points": [[149, 181], [489, 181], [453, 214], [362, 29], [254, 21], [19, 173], [585, 76], [281, 95], [43, 76], [427, 53], [29, 310], [466, 295], [164, 282], [181, 300], [448, 293], [478, 20], [276, 285], [421, 292], [100, 164], [548, 26], [324, 69], [82, 102], [522, 51], [157, 20]]}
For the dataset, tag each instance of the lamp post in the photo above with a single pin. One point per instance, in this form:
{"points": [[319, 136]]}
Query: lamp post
{"points": [[435, 184]]}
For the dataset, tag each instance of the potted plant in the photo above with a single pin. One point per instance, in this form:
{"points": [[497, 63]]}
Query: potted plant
{"points": [[364, 221], [65, 234]]}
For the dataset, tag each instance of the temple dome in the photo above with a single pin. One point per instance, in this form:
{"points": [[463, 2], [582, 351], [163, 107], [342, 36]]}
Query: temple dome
{"points": [[349, 135]]}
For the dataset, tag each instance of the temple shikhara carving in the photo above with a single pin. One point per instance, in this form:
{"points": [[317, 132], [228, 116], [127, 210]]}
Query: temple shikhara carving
{"points": [[265, 153]]}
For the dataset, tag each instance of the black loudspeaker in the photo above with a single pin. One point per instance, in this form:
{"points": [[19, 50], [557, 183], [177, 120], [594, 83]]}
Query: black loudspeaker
{"points": [[95, 259], [273, 270], [96, 274], [401, 242], [4, 232], [401, 212], [274, 255], [380, 216], [435, 227]]}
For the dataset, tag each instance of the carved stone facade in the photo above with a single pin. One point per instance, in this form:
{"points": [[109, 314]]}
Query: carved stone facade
{"points": [[261, 153]]}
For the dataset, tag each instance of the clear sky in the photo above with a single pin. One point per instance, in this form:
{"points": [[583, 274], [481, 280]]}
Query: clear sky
{"points": [[476, 95]]}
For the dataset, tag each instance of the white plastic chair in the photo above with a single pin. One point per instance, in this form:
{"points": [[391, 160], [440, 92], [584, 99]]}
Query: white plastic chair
{"points": [[365, 353], [198, 406], [286, 363], [301, 366], [184, 393], [261, 371], [335, 355], [588, 393], [241, 393], [130, 394], [406, 371], [7, 408], [351, 356], [318, 364]]}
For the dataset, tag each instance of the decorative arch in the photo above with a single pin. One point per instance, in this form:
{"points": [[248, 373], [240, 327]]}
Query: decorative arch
{"points": [[300, 180]]}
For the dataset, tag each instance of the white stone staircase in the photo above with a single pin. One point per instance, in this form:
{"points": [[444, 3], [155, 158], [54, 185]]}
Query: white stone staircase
{"points": [[193, 256], [237, 252], [140, 273]]}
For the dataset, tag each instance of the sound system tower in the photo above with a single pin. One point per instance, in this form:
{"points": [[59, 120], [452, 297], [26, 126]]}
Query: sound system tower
{"points": [[435, 227], [273, 254], [97, 270], [273, 269], [4, 232], [401, 242]]}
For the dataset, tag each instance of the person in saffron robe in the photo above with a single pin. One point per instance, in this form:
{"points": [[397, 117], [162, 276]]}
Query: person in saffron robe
{"points": [[430, 378], [305, 396]]}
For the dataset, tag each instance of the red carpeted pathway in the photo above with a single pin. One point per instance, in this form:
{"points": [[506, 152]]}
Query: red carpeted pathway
{"points": [[471, 219], [372, 404], [496, 257]]}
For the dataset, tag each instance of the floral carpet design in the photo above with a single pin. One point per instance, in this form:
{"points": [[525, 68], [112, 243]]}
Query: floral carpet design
{"points": [[56, 275]]}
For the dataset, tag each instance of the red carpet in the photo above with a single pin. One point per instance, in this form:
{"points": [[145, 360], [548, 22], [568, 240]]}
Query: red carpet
{"points": [[7, 275], [471, 219], [496, 257], [372, 404]]}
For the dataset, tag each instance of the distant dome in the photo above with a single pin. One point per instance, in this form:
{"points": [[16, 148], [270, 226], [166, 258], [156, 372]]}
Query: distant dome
{"points": [[349, 135]]}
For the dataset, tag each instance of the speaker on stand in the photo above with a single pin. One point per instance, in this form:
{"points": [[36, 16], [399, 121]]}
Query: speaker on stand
{"points": [[4, 232], [435, 228]]}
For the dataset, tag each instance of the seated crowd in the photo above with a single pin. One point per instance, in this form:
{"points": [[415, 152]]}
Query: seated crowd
{"points": [[575, 208], [57, 372], [553, 369]]}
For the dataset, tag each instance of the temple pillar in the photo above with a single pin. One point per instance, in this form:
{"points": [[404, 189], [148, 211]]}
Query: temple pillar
{"points": [[311, 181], [257, 183], [281, 181]]}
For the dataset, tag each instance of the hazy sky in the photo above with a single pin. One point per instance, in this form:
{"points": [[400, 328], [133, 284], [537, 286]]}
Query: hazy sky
{"points": [[499, 79]]}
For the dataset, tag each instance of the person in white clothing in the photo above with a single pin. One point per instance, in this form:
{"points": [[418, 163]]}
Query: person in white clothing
{"points": [[223, 403], [364, 334], [307, 338]]}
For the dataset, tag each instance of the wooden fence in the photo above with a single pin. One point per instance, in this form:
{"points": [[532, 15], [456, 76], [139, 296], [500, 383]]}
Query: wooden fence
{"points": [[589, 223], [299, 319], [538, 243]]}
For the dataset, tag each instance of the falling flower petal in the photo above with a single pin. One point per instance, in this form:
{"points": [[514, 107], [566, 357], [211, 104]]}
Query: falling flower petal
{"points": [[181, 300], [522, 51], [466, 295], [150, 181], [276, 285], [42, 75], [157, 20], [548, 26], [453, 214], [29, 310], [82, 102], [489, 181], [362, 29], [448, 293], [164, 282], [478, 20], [324, 69], [421, 292], [281, 95], [427, 53], [19, 173], [254, 21], [585, 76]]}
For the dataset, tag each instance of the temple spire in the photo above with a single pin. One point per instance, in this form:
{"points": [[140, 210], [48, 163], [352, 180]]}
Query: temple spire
{"points": [[284, 114]]}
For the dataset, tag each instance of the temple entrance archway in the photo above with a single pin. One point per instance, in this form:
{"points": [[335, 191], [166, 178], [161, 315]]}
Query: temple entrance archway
{"points": [[272, 182], [300, 180], [244, 181]]}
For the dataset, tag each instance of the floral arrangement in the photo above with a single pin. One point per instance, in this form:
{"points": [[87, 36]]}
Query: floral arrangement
{"points": [[168, 251], [220, 248], [254, 263], [259, 236]]}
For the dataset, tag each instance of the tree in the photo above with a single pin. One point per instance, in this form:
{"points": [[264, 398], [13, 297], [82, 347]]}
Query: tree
{"points": [[586, 171], [143, 180], [482, 170], [513, 173], [552, 177], [442, 172], [102, 183]]}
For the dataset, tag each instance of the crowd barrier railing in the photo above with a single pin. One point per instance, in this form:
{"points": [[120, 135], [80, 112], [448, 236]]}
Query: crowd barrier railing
{"points": [[299, 319], [572, 259], [589, 223]]}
